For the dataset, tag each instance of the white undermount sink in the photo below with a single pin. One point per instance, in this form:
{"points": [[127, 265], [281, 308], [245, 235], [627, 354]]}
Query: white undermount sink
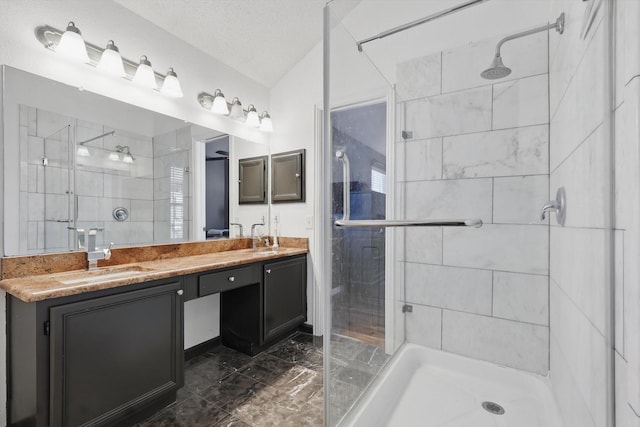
{"points": [[265, 251], [102, 275]]}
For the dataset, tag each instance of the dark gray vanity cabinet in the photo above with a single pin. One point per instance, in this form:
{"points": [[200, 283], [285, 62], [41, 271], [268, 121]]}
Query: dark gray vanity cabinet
{"points": [[270, 303], [285, 299], [98, 358]]}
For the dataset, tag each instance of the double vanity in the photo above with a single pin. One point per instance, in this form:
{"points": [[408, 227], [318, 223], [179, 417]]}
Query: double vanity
{"points": [[105, 346]]}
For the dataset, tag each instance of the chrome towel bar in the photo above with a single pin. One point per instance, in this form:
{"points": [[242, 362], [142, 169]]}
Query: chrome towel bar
{"points": [[383, 223]]}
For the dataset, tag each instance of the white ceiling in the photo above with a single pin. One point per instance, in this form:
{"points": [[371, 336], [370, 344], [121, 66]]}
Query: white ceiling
{"points": [[262, 39]]}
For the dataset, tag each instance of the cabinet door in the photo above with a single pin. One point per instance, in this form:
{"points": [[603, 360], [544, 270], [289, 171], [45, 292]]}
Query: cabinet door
{"points": [[113, 355], [252, 180], [287, 177], [285, 299]]}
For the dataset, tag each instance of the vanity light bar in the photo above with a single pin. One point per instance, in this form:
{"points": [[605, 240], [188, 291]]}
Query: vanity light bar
{"points": [[50, 38], [235, 111]]}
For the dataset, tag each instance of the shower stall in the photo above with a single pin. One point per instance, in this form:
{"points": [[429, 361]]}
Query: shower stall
{"points": [[469, 228]]}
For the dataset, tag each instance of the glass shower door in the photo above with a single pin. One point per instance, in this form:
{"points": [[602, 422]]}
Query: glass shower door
{"points": [[360, 338], [57, 164], [359, 192]]}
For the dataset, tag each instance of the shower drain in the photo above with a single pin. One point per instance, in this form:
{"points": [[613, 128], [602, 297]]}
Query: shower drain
{"points": [[493, 408]]}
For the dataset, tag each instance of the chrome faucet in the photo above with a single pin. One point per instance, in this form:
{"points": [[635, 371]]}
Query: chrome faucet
{"points": [[80, 236], [550, 206], [93, 254], [255, 239], [239, 225], [559, 206]]}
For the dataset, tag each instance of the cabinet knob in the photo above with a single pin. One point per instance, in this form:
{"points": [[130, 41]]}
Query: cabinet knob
{"points": [[268, 271], [180, 292], [232, 279]]}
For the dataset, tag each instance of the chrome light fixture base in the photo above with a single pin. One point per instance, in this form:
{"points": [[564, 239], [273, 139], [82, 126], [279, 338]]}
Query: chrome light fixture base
{"points": [[50, 38]]}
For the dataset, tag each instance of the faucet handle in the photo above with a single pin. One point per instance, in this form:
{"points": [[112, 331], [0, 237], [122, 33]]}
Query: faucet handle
{"points": [[107, 251]]}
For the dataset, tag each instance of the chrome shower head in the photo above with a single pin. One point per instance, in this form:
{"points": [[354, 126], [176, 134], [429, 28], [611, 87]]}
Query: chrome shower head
{"points": [[496, 70]]}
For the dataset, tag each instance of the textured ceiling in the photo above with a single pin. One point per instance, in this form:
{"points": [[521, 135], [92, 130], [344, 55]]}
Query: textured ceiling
{"points": [[262, 39]]}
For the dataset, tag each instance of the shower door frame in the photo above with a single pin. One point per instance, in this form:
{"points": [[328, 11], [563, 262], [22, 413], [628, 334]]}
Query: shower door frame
{"points": [[391, 200]]}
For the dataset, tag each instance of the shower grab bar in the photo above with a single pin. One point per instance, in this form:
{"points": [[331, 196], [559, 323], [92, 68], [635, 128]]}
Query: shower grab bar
{"points": [[420, 21], [383, 223]]}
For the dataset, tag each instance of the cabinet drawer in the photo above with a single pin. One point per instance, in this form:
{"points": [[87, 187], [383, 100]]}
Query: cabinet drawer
{"points": [[226, 280]]}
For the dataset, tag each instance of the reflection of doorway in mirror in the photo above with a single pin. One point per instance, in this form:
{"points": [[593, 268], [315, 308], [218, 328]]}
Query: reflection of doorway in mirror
{"points": [[217, 187]]}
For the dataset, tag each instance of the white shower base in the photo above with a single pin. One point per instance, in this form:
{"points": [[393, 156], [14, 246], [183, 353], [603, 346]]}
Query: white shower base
{"points": [[428, 388]]}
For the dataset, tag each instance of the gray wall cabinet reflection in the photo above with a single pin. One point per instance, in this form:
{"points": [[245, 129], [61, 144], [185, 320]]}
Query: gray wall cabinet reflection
{"points": [[287, 177], [252, 180]]}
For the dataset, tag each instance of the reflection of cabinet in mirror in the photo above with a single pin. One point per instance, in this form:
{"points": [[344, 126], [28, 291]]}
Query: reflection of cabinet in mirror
{"points": [[252, 180], [287, 177]]}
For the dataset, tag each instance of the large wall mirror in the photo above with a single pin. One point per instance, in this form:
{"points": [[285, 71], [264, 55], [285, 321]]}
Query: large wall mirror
{"points": [[75, 160]]}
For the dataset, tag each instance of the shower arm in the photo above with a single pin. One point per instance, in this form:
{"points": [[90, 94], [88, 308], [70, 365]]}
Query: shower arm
{"points": [[558, 25], [97, 137]]}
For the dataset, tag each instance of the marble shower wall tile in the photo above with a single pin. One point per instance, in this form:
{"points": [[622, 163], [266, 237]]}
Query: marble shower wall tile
{"points": [[480, 149], [585, 182], [461, 67], [518, 199], [521, 297], [422, 160], [585, 286], [91, 208], [619, 283], [514, 248], [571, 404], [423, 244], [35, 150], [519, 151], [584, 350], [461, 289], [522, 102], [462, 198], [90, 184], [451, 114], [424, 326], [419, 77], [574, 121], [125, 187], [567, 50], [515, 344], [626, 154], [141, 210]]}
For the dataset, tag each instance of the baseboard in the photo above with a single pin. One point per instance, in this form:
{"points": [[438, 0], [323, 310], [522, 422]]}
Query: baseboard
{"points": [[306, 328], [202, 348]]}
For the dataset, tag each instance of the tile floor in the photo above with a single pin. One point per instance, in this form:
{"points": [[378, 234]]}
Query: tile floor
{"points": [[279, 387]]}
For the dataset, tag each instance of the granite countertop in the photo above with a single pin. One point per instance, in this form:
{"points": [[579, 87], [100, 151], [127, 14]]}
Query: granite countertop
{"points": [[45, 286]]}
